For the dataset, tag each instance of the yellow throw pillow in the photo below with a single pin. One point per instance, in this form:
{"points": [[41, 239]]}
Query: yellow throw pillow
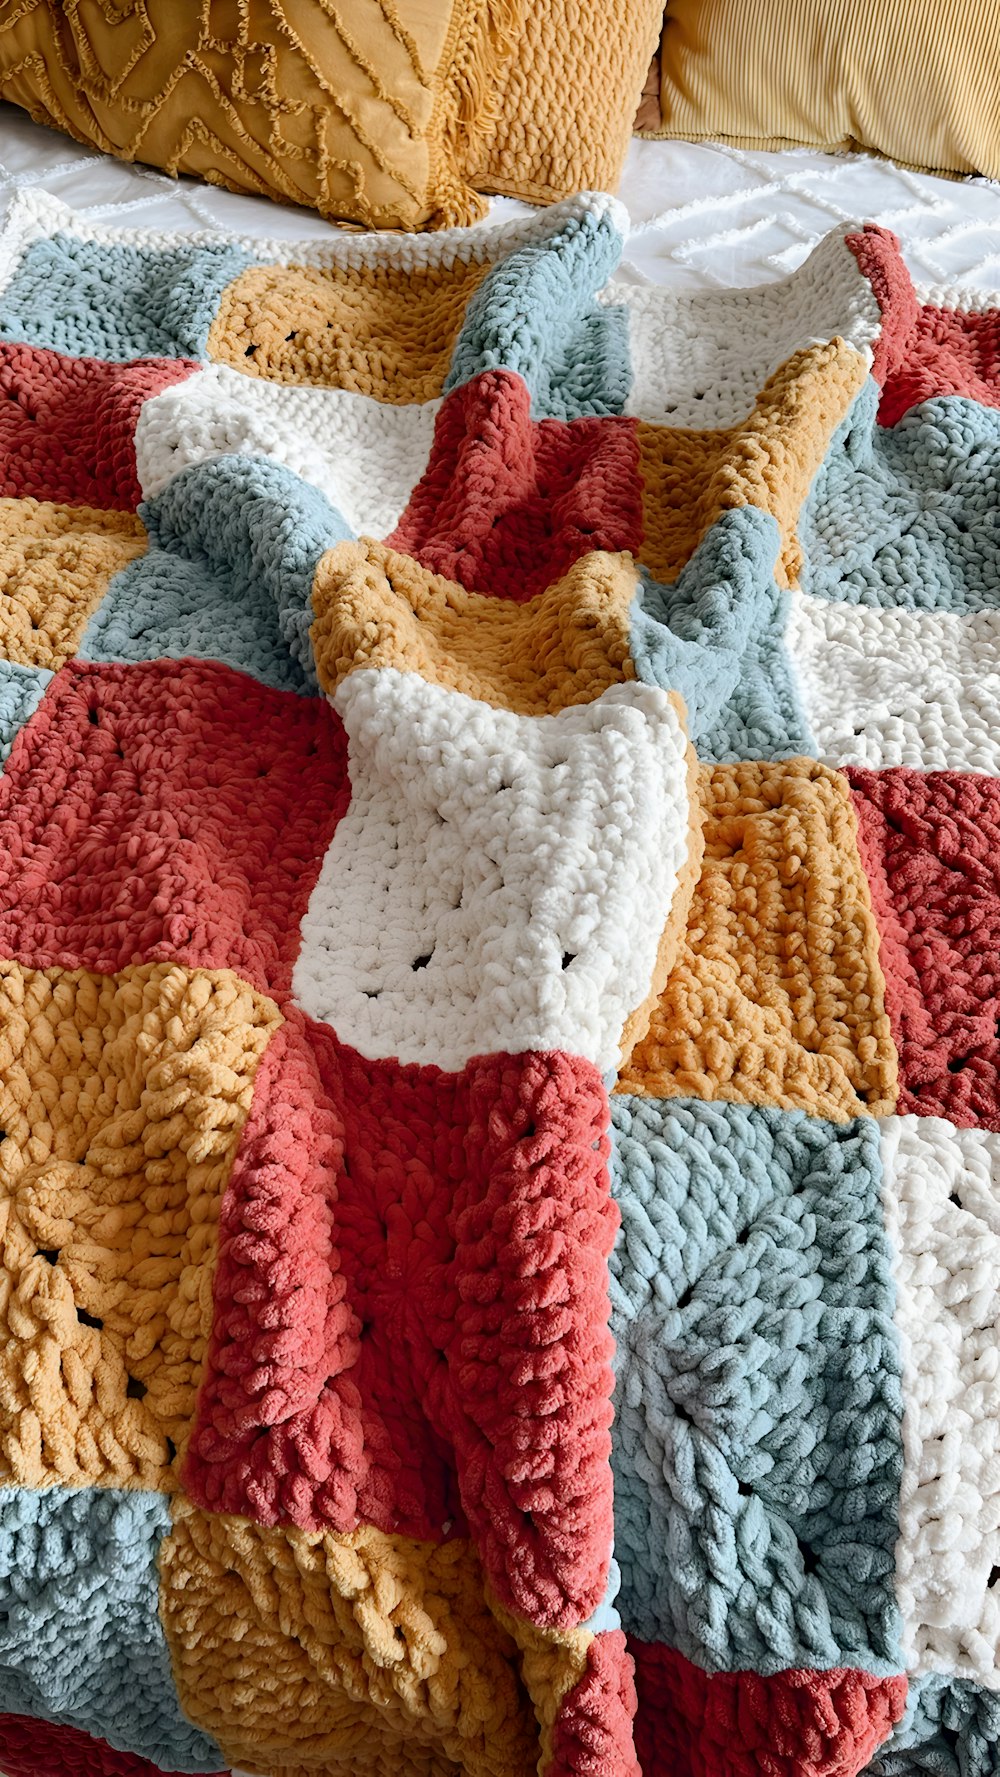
{"points": [[367, 111], [917, 80], [567, 106]]}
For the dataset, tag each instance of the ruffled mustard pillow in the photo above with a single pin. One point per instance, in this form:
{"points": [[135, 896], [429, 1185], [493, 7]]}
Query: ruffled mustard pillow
{"points": [[368, 111]]}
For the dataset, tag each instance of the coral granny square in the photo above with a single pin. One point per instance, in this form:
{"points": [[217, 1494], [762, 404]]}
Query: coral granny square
{"points": [[56, 563], [390, 1234], [949, 352], [931, 847], [777, 996], [67, 425], [121, 1099], [708, 1724], [508, 503], [173, 810]]}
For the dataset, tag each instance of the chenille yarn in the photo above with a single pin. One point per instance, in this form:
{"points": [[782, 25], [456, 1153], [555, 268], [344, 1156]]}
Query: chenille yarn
{"points": [[376, 608], [754, 1391], [118, 303], [777, 996], [498, 1011], [122, 1102], [388, 332], [361, 453], [496, 944], [233, 547]]}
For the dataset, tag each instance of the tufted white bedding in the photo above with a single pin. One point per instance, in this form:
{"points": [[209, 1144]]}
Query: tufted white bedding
{"points": [[702, 216]]}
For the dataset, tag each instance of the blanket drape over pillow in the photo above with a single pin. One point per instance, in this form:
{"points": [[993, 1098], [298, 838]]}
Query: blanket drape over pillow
{"points": [[499, 1008]]}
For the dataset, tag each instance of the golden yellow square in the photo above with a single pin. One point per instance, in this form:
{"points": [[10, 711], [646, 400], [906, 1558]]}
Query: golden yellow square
{"points": [[376, 607], [769, 460], [778, 996], [288, 1646], [382, 330], [122, 1098], [55, 565]]}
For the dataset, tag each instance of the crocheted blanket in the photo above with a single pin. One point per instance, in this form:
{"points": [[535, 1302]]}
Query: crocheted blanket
{"points": [[499, 1058]]}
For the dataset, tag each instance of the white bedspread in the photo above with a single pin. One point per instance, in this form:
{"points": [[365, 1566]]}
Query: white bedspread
{"points": [[702, 214]]}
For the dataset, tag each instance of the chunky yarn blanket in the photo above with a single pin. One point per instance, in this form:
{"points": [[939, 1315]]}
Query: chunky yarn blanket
{"points": [[499, 1010]]}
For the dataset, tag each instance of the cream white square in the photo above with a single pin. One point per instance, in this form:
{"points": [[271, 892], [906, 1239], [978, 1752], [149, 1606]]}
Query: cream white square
{"points": [[700, 358], [882, 687], [941, 1189], [365, 456], [499, 882]]}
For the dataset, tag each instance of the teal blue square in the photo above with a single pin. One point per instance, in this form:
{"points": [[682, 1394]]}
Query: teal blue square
{"points": [[102, 299], [233, 547], [908, 515], [951, 1728], [757, 1443], [536, 313], [717, 637], [81, 1642]]}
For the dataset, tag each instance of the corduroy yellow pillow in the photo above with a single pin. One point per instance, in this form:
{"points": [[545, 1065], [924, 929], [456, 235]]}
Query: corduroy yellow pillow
{"points": [[567, 105], [368, 110], [917, 80]]}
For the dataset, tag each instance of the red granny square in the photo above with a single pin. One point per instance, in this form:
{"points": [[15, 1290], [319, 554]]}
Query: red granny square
{"points": [[411, 1311], [592, 1732], [172, 811], [923, 350], [947, 353], [31, 1748], [930, 843], [67, 425], [507, 504], [732, 1724]]}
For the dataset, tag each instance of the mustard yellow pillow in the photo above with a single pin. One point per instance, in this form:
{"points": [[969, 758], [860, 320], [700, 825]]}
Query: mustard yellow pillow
{"points": [[567, 105], [366, 111], [917, 80]]}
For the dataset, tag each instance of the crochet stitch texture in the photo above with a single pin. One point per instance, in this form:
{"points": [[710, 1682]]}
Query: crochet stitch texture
{"points": [[499, 1011]]}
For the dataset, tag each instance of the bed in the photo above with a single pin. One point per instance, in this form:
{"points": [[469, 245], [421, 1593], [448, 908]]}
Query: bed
{"points": [[698, 221], [701, 216]]}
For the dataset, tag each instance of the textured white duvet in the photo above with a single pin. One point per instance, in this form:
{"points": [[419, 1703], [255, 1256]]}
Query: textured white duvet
{"points": [[703, 216]]}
